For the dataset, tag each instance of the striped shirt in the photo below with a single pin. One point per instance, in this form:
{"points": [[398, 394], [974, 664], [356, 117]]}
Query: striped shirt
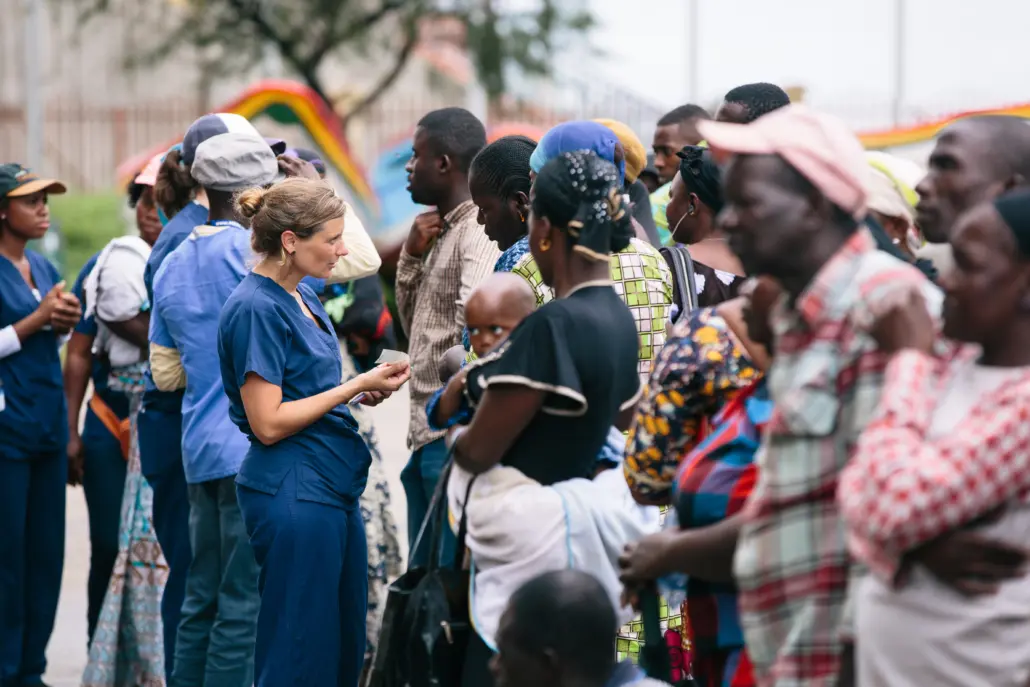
{"points": [[792, 565], [431, 294]]}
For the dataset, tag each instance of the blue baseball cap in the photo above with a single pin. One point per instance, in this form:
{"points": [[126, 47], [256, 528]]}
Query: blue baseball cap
{"points": [[211, 125]]}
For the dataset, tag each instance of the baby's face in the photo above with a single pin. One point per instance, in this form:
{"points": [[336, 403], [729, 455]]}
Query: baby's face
{"points": [[489, 324]]}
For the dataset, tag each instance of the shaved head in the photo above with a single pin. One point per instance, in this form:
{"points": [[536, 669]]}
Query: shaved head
{"points": [[495, 307], [974, 160]]}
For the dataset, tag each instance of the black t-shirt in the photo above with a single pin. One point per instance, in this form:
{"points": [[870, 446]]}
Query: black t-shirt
{"points": [[582, 350]]}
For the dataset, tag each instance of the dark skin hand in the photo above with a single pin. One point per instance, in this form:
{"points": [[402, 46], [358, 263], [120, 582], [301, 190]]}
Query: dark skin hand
{"points": [[450, 400], [424, 231], [66, 314], [295, 167], [906, 325], [78, 360]]}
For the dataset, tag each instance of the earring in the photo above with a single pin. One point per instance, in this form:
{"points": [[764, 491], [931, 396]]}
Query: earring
{"points": [[896, 241], [522, 217], [545, 245]]}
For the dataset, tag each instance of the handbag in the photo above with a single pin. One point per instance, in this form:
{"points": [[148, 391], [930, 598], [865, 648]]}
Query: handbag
{"points": [[684, 287], [426, 627]]}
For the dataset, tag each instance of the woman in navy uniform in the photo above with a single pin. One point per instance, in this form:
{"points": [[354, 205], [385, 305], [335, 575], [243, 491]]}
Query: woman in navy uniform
{"points": [[35, 315], [300, 483]]}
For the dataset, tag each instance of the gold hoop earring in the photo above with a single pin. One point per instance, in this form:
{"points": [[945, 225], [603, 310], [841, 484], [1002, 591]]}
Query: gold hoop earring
{"points": [[522, 218], [545, 245]]}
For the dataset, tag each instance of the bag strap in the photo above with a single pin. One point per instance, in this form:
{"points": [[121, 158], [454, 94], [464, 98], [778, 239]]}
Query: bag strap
{"points": [[654, 657], [682, 266], [437, 513]]}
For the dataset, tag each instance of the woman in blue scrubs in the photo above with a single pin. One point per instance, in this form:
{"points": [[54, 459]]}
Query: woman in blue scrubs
{"points": [[35, 314], [300, 483]]}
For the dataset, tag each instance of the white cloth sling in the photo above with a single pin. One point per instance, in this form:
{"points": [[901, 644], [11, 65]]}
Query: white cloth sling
{"points": [[519, 529], [115, 292]]}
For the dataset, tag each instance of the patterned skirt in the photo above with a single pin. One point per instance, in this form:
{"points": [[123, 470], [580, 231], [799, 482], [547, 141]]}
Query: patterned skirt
{"points": [[128, 646], [384, 551]]}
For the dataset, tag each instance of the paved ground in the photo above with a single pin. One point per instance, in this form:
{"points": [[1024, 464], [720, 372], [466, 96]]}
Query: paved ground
{"points": [[67, 651]]}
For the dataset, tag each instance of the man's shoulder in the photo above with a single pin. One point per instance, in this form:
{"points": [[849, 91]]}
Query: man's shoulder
{"points": [[880, 276]]}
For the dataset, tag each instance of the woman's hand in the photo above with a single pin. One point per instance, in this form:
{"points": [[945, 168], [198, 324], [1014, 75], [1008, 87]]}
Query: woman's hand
{"points": [[645, 560], [388, 377], [51, 301], [374, 398], [66, 313], [905, 324]]}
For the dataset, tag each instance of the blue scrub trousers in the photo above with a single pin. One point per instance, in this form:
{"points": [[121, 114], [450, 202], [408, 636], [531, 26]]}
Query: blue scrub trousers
{"points": [[314, 588], [419, 478], [216, 638], [32, 503], [103, 481], [160, 447]]}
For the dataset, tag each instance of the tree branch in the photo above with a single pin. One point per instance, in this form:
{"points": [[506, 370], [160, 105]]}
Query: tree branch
{"points": [[410, 41]]}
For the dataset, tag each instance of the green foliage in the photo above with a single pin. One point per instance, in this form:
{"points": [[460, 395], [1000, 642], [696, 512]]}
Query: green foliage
{"points": [[231, 36], [86, 223]]}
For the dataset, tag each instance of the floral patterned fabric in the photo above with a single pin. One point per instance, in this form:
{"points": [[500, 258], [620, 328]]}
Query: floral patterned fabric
{"points": [[384, 551], [128, 646], [699, 370]]}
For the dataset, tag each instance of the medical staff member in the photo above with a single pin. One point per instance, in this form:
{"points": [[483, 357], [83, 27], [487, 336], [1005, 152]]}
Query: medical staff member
{"points": [[35, 314], [307, 464], [180, 198]]}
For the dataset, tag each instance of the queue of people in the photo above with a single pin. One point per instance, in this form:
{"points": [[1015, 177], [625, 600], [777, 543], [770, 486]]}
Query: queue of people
{"points": [[758, 392]]}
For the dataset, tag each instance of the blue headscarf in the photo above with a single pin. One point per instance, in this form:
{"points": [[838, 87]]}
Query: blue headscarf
{"points": [[572, 137]]}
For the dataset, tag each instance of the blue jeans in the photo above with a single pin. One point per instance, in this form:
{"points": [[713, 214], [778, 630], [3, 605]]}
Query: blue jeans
{"points": [[160, 448], [419, 478], [103, 482], [218, 629], [32, 503]]}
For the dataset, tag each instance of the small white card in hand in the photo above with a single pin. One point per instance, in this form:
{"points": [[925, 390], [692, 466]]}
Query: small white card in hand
{"points": [[388, 356]]}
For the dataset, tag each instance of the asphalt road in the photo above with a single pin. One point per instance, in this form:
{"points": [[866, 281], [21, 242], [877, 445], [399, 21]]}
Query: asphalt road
{"points": [[67, 650]]}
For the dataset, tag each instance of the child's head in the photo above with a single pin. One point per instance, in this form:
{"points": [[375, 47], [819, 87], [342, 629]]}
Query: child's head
{"points": [[495, 307]]}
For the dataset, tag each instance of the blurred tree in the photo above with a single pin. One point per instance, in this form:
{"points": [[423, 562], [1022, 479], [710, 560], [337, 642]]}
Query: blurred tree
{"points": [[231, 36]]}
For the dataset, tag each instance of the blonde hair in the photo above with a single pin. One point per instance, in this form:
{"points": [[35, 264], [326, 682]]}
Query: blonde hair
{"points": [[299, 205]]}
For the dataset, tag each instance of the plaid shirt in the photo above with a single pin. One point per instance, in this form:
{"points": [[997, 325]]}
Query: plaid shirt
{"points": [[431, 293], [642, 279], [792, 564], [902, 490]]}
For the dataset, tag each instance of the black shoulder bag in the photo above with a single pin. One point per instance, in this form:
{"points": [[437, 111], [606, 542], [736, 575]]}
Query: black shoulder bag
{"points": [[684, 287], [426, 627]]}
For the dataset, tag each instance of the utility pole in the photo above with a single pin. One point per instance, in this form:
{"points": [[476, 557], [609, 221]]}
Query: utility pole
{"points": [[33, 18], [899, 60], [694, 33]]}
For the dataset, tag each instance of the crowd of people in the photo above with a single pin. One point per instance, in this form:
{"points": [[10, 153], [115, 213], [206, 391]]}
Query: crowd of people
{"points": [[769, 388]]}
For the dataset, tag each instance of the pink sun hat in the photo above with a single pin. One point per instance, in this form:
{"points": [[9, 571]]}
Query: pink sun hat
{"points": [[819, 146], [148, 177]]}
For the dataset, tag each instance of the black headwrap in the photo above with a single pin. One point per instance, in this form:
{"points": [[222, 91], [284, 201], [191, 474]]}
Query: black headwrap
{"points": [[1014, 209], [581, 192], [702, 176]]}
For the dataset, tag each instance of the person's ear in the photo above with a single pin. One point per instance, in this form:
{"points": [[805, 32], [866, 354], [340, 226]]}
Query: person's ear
{"points": [[693, 204], [289, 241], [444, 163], [520, 203]]}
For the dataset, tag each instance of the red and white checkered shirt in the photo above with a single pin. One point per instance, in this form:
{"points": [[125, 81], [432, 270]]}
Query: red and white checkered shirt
{"points": [[902, 488], [792, 564]]}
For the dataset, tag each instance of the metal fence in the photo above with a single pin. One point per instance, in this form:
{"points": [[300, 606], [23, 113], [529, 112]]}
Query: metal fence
{"points": [[85, 143]]}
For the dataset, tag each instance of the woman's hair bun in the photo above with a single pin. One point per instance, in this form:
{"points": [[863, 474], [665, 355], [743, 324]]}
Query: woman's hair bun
{"points": [[250, 201]]}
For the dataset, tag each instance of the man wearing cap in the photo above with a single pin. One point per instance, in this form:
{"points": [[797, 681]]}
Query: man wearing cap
{"points": [[215, 643], [160, 423], [35, 313], [796, 192]]}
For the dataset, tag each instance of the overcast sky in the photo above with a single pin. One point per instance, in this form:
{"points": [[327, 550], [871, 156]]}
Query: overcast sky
{"points": [[960, 54]]}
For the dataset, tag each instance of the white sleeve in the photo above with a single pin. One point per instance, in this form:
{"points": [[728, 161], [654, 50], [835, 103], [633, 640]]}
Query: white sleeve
{"points": [[122, 291], [362, 259], [9, 341]]}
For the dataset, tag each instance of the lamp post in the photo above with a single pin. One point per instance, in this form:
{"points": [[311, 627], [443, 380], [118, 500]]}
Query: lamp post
{"points": [[33, 11]]}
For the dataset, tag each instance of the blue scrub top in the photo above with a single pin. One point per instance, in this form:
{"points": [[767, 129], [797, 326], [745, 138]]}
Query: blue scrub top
{"points": [[264, 331], [180, 226], [189, 291], [34, 420], [101, 372]]}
